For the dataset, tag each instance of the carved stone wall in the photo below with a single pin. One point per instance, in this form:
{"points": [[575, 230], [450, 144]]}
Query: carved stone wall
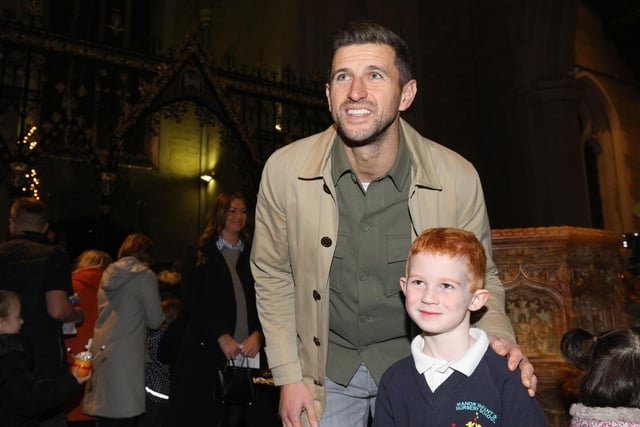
{"points": [[557, 278]]}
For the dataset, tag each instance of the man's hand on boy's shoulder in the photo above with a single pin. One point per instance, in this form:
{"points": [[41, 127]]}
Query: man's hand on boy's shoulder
{"points": [[508, 348]]}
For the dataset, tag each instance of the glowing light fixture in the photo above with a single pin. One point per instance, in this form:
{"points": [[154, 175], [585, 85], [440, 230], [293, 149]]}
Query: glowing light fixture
{"points": [[208, 176]]}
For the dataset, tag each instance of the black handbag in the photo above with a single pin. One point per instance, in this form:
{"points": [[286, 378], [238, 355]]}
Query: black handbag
{"points": [[238, 387]]}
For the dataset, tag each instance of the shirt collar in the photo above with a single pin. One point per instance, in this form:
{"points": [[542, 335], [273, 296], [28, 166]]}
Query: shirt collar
{"points": [[465, 365], [221, 243], [399, 172]]}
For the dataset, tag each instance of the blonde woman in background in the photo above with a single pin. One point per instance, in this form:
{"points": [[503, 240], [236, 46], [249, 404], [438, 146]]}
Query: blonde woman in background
{"points": [[85, 279]]}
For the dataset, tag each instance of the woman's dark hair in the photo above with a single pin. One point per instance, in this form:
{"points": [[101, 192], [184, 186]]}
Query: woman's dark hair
{"points": [[217, 217], [136, 245], [363, 31], [612, 362]]}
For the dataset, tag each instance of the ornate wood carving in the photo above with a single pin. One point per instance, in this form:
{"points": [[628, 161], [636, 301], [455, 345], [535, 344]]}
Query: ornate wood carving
{"points": [[557, 278]]}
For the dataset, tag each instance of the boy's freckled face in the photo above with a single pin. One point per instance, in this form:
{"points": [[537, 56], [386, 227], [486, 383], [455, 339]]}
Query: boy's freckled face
{"points": [[437, 293]]}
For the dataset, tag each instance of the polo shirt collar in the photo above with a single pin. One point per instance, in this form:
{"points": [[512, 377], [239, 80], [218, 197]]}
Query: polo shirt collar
{"points": [[465, 365]]}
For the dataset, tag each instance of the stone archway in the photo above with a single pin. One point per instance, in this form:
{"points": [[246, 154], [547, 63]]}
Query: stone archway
{"points": [[190, 77], [601, 136]]}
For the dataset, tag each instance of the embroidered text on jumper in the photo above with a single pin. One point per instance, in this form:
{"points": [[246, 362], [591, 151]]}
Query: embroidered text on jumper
{"points": [[478, 409]]}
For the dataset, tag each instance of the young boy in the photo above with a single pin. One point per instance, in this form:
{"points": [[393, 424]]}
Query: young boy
{"points": [[22, 397], [453, 377]]}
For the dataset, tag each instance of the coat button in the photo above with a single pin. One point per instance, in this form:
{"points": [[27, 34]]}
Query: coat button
{"points": [[316, 295], [318, 383], [326, 242], [325, 188], [316, 341]]}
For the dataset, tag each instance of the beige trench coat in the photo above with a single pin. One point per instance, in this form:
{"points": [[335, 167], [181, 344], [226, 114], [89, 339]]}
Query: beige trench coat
{"points": [[296, 231]]}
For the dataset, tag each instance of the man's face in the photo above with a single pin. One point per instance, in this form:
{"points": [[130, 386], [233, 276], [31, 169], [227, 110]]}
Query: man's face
{"points": [[364, 94]]}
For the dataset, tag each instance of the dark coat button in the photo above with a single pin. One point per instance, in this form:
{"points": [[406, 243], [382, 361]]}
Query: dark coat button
{"points": [[316, 295], [318, 383], [316, 341], [326, 242]]}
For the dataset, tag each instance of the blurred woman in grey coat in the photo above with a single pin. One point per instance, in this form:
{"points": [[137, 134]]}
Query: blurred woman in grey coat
{"points": [[128, 304]]}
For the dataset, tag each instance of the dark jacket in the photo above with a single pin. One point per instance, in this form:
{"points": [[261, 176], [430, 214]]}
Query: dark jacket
{"points": [[210, 310], [23, 397], [31, 266]]}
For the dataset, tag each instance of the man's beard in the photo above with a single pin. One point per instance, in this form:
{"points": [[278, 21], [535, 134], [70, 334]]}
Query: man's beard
{"points": [[379, 134]]}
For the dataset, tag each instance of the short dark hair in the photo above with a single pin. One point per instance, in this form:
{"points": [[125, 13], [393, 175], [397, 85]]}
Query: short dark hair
{"points": [[29, 212], [365, 31], [136, 245], [612, 361]]}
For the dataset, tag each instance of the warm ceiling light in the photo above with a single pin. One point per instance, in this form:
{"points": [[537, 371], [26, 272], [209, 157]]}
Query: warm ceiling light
{"points": [[207, 176]]}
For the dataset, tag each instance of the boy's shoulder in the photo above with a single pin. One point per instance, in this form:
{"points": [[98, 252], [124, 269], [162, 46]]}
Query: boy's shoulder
{"points": [[498, 367], [492, 368], [401, 368]]}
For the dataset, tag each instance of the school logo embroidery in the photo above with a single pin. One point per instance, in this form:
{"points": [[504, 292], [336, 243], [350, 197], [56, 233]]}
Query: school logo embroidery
{"points": [[478, 411]]}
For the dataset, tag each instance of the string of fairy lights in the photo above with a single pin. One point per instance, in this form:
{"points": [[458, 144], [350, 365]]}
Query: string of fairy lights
{"points": [[26, 175]]}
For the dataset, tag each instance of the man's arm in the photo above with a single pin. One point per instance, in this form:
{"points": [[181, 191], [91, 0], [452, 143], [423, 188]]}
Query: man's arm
{"points": [[495, 321], [275, 298], [271, 269], [59, 307]]}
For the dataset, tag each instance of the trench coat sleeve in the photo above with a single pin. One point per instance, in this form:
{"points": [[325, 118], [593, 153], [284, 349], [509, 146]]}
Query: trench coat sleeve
{"points": [[448, 193], [474, 217], [150, 297], [271, 268]]}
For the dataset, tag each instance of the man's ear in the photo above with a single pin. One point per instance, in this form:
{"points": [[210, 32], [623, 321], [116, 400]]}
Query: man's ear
{"points": [[403, 285], [327, 92], [478, 299], [408, 94]]}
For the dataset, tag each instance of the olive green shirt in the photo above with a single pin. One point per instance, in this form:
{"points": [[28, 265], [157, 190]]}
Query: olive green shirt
{"points": [[367, 319]]}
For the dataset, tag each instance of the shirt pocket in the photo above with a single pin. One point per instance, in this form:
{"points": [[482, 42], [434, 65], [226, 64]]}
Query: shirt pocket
{"points": [[398, 246], [335, 278]]}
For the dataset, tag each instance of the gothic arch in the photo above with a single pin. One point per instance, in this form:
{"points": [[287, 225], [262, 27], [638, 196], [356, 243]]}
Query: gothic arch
{"points": [[190, 77], [601, 132]]}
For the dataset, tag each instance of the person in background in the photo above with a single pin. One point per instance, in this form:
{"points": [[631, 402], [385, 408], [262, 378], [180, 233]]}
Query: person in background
{"points": [[40, 273], [157, 383], [23, 397], [222, 322], [169, 283], [609, 391], [128, 305], [335, 217], [452, 377], [85, 279]]}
